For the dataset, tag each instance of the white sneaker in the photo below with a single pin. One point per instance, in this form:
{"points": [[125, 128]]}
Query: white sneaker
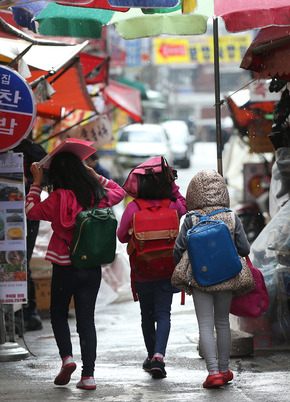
{"points": [[68, 367], [87, 383]]}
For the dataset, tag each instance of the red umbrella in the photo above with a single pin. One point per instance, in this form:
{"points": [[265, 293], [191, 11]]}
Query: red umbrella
{"points": [[269, 53]]}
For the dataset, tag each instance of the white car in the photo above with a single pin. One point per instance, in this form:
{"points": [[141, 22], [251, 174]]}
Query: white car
{"points": [[136, 143], [181, 141]]}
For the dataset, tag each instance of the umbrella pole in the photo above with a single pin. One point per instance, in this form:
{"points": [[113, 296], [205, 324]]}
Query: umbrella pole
{"points": [[217, 95]]}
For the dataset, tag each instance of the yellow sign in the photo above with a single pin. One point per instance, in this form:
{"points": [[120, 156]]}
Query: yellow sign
{"points": [[200, 50], [167, 51]]}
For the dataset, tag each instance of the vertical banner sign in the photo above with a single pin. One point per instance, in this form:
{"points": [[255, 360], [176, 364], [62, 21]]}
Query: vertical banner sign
{"points": [[17, 108], [13, 275]]}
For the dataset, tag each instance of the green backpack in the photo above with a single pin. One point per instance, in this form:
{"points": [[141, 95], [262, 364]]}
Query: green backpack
{"points": [[94, 240]]}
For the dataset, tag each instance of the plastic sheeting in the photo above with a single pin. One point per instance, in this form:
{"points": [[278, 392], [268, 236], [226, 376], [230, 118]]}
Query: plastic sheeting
{"points": [[270, 252], [280, 183]]}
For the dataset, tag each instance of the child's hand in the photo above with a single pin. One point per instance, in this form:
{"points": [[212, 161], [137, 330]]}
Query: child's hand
{"points": [[37, 173], [93, 172]]}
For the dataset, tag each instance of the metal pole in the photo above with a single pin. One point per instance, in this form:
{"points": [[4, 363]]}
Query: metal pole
{"points": [[2, 325], [217, 95]]}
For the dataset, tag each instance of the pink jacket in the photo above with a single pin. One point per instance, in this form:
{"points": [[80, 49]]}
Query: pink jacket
{"points": [[127, 217], [60, 208]]}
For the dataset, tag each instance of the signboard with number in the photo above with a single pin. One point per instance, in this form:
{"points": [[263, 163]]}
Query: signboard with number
{"points": [[17, 108]]}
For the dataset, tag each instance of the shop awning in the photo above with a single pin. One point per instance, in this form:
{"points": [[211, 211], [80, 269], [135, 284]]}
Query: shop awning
{"points": [[135, 84], [46, 57], [70, 92], [124, 97], [95, 68], [51, 60]]}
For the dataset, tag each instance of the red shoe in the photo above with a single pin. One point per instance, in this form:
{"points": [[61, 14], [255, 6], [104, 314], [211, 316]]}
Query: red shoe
{"points": [[213, 381], [68, 367], [227, 377], [86, 383]]}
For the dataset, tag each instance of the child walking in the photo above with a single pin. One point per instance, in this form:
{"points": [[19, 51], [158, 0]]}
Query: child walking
{"points": [[155, 296], [72, 188], [207, 192]]}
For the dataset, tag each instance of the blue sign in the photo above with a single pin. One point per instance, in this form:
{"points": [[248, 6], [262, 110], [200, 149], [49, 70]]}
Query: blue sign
{"points": [[144, 3], [17, 108]]}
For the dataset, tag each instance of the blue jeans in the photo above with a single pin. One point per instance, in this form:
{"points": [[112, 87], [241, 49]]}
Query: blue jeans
{"points": [[83, 285], [155, 298]]}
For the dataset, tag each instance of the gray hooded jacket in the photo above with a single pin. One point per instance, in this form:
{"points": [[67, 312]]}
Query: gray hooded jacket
{"points": [[208, 192]]}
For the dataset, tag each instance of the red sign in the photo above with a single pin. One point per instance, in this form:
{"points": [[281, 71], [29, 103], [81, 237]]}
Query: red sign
{"points": [[172, 50], [17, 108]]}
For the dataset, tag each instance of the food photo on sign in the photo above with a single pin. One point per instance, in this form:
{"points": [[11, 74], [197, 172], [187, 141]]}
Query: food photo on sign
{"points": [[13, 276]]}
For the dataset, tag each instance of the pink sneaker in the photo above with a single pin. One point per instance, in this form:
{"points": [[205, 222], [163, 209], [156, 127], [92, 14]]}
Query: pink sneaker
{"points": [[68, 367], [227, 377], [86, 383], [213, 381]]}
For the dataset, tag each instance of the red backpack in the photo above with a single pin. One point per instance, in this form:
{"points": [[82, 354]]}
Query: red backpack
{"points": [[154, 231]]}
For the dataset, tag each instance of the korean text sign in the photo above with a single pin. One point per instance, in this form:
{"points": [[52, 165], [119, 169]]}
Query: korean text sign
{"points": [[13, 266], [17, 108]]}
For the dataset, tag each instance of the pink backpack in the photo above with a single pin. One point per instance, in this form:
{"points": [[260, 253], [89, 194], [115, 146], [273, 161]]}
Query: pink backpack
{"points": [[254, 303], [154, 165]]}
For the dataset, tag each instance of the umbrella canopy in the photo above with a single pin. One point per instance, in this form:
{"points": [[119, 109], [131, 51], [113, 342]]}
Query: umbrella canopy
{"points": [[144, 3], [269, 53], [56, 20], [239, 15], [74, 20]]}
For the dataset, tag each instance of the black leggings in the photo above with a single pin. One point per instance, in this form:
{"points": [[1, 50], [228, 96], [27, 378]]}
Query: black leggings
{"points": [[83, 285]]}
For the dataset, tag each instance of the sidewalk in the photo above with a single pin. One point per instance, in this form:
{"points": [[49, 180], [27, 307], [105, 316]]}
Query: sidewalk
{"points": [[121, 352]]}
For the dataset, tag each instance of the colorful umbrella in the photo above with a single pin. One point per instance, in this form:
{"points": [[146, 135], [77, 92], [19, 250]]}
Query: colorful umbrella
{"points": [[269, 53], [239, 15], [66, 21], [56, 20], [144, 3]]}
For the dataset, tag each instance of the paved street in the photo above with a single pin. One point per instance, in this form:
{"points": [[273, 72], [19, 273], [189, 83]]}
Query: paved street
{"points": [[119, 376], [121, 352]]}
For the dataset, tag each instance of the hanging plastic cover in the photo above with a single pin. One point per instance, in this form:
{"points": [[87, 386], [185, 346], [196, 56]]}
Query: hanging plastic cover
{"points": [[280, 182]]}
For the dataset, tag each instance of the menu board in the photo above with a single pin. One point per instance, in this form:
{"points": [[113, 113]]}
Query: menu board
{"points": [[13, 265]]}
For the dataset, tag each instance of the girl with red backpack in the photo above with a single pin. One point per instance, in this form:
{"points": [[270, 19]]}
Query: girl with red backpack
{"points": [[153, 290]]}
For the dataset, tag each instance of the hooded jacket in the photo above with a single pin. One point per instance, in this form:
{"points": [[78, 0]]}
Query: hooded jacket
{"points": [[208, 192], [61, 208]]}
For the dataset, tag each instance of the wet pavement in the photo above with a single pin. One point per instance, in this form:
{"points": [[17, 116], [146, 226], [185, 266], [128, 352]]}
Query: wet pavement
{"points": [[119, 376]]}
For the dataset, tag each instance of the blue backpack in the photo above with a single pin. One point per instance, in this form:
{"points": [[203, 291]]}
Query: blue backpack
{"points": [[213, 255]]}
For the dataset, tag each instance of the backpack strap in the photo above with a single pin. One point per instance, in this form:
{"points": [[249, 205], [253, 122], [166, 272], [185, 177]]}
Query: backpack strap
{"points": [[206, 217], [218, 211], [165, 203]]}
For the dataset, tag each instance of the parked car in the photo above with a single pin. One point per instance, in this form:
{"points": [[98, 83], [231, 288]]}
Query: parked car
{"points": [[136, 143], [182, 142]]}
